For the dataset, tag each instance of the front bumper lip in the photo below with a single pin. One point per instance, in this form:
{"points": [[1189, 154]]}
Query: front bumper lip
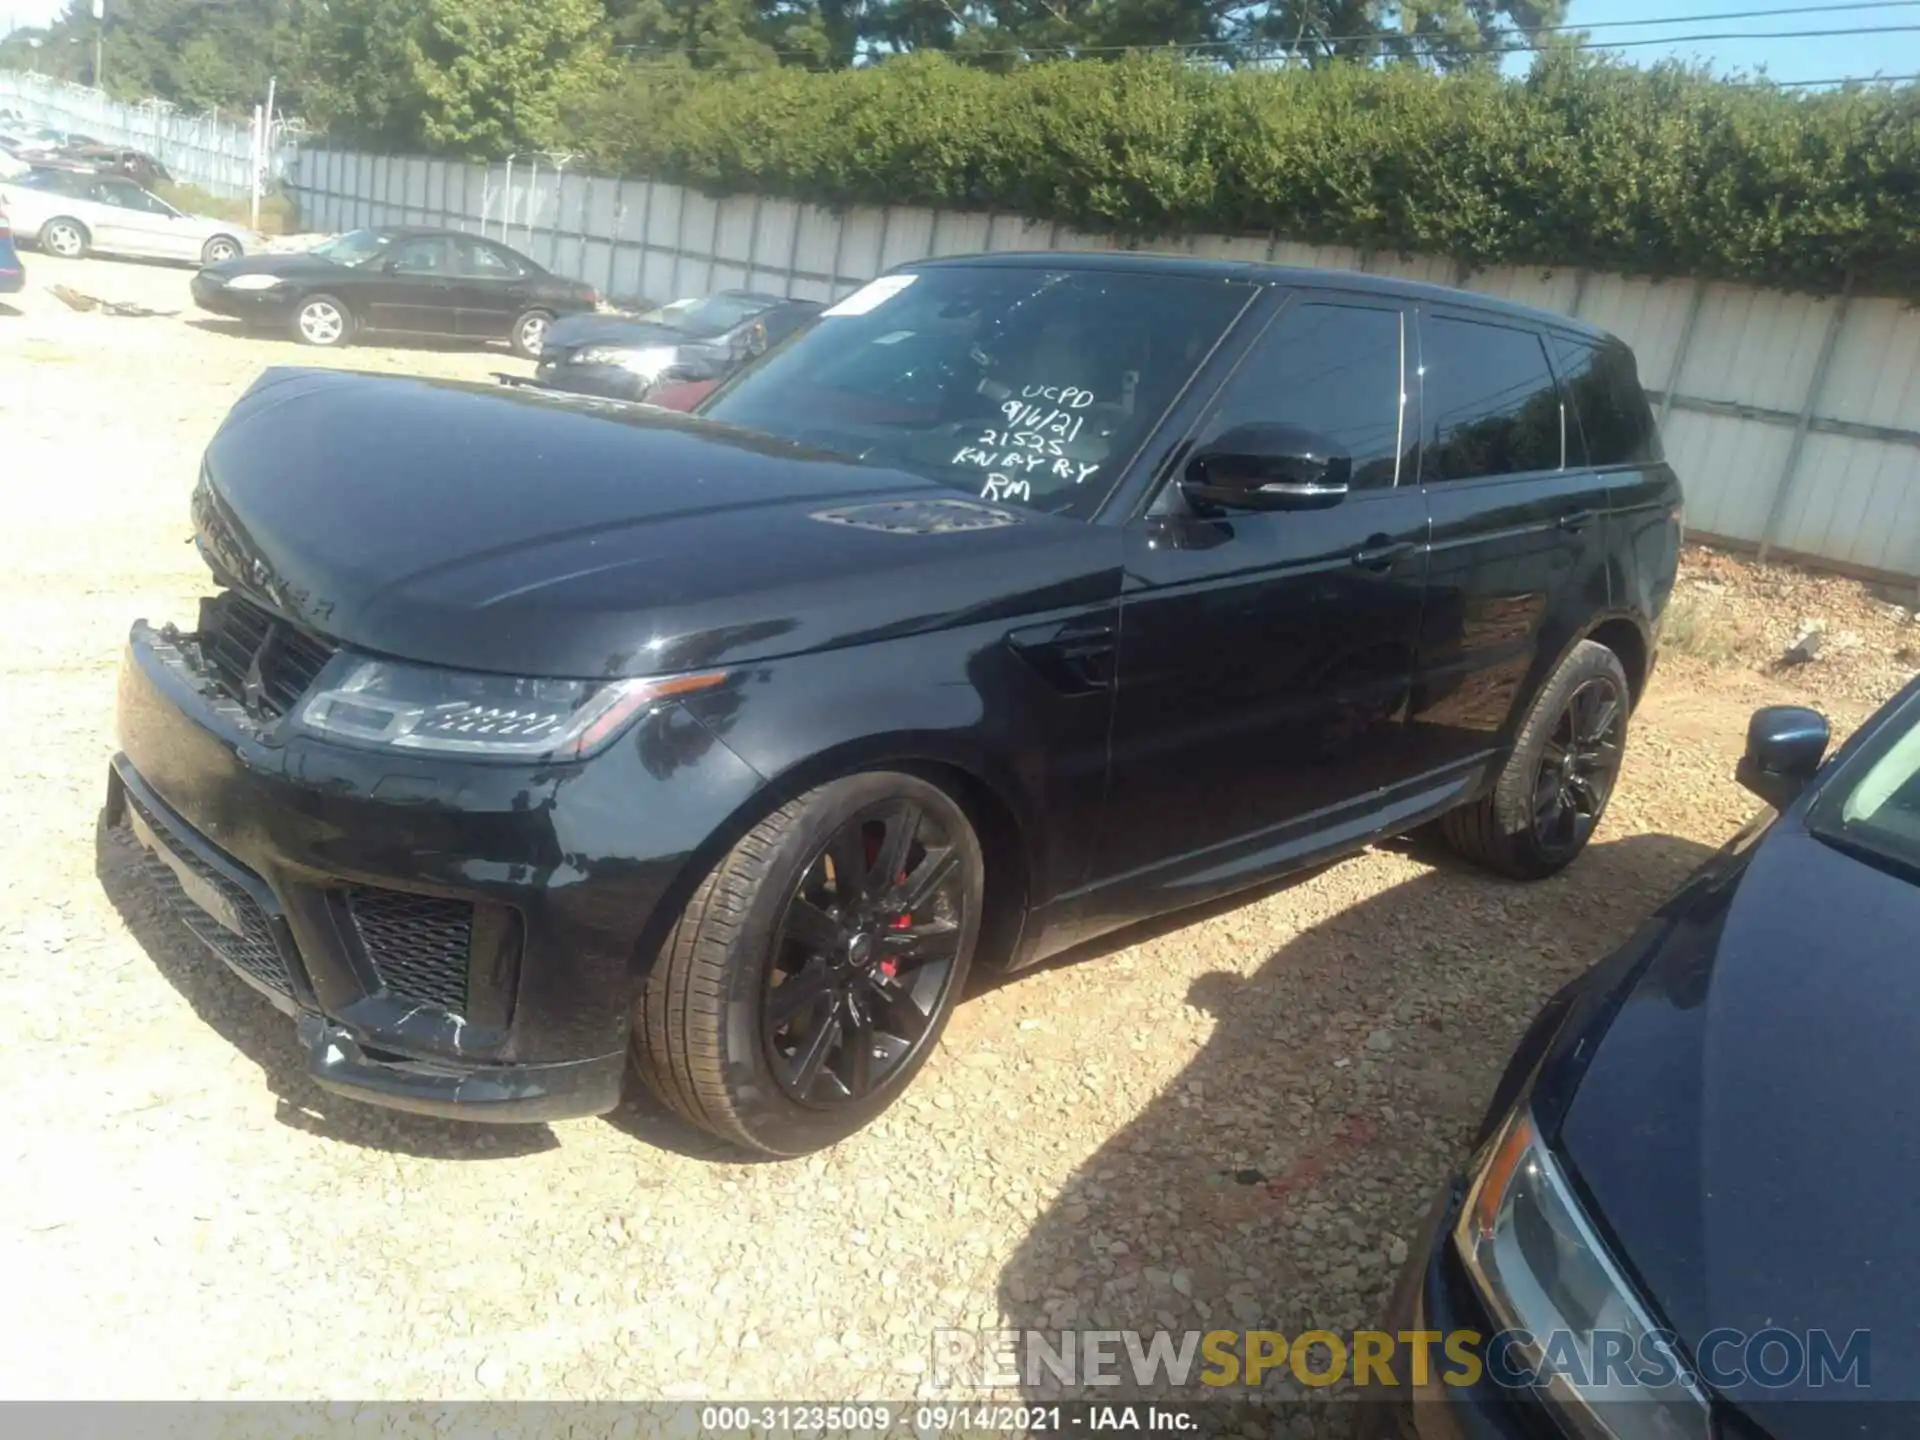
{"points": [[338, 1059], [515, 1094]]}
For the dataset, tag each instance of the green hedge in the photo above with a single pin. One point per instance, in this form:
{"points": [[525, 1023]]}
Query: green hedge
{"points": [[1658, 171]]}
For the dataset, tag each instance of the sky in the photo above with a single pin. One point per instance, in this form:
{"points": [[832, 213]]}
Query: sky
{"points": [[1790, 59], [1785, 59]]}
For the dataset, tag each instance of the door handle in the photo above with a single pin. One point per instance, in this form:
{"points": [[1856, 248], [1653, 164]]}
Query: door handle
{"points": [[1574, 521], [1381, 553]]}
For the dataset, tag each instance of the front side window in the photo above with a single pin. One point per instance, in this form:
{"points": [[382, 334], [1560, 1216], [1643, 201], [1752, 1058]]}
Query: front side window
{"points": [[1330, 368], [1489, 404], [1015, 383]]}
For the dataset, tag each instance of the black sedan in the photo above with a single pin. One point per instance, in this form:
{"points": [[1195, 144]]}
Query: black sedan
{"points": [[1687, 1214], [403, 280], [626, 358]]}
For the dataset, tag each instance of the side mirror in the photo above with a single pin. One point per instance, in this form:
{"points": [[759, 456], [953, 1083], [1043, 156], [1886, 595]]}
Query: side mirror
{"points": [[1268, 467], [1785, 745]]}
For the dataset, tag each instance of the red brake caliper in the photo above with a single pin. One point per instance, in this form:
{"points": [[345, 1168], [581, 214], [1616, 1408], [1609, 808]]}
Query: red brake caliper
{"points": [[891, 967]]}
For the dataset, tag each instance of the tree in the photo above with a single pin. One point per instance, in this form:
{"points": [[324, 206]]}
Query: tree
{"points": [[467, 77], [1441, 34]]}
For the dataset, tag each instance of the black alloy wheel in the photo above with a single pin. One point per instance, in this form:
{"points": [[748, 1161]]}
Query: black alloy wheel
{"points": [[814, 966], [1555, 782], [865, 955], [1579, 764]]}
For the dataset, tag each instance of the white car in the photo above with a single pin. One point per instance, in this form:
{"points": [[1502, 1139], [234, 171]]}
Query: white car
{"points": [[69, 212]]}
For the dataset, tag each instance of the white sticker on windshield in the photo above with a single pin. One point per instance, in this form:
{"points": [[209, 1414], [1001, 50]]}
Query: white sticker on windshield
{"points": [[895, 338], [870, 296]]}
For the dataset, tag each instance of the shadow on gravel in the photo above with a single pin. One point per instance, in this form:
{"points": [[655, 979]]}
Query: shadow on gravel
{"points": [[386, 340], [246, 1021], [1279, 1181]]}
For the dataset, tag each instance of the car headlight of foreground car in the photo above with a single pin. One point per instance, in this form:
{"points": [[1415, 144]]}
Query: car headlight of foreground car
{"points": [[385, 704], [646, 363], [1541, 1269], [253, 282]]}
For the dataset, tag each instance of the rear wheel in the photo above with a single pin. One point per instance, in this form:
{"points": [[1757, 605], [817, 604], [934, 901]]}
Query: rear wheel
{"points": [[815, 966], [529, 333], [65, 238], [322, 320], [219, 250], [1555, 785]]}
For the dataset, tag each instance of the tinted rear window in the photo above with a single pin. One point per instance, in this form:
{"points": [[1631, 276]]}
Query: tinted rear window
{"points": [[1603, 384]]}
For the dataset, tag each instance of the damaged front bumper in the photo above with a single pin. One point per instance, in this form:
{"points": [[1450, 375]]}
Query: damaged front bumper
{"points": [[452, 938]]}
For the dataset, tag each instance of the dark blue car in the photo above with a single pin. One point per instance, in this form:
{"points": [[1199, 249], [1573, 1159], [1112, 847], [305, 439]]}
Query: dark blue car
{"points": [[13, 275], [1688, 1212]]}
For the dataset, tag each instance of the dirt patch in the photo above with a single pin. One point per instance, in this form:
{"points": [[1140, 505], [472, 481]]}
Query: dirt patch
{"points": [[1733, 612], [191, 1218]]}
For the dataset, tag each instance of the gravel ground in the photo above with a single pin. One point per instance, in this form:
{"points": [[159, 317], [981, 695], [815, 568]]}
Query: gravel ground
{"points": [[1239, 1119]]}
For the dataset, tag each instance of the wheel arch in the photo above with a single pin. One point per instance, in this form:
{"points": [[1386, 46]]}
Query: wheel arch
{"points": [[85, 229], [1627, 638], [983, 789]]}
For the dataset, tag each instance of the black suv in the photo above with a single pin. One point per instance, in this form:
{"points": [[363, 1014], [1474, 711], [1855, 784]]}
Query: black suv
{"points": [[1016, 598]]}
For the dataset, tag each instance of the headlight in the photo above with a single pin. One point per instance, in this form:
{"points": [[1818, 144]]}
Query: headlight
{"points": [[647, 362], [1541, 1269], [253, 282], [389, 705]]}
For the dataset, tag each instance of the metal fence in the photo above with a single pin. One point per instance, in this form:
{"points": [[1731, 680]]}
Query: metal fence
{"points": [[209, 151], [1794, 420]]}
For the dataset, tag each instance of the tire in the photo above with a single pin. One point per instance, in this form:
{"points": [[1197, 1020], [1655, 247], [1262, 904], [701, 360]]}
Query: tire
{"points": [[1555, 785], [529, 333], [709, 1036], [220, 249], [65, 237], [311, 325]]}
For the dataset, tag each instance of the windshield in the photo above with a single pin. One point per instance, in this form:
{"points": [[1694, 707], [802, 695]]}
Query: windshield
{"points": [[356, 247], [1032, 386], [703, 319], [1873, 804]]}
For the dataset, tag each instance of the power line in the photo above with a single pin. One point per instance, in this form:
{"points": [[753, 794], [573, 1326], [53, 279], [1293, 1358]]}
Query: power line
{"points": [[1513, 42], [1836, 80]]}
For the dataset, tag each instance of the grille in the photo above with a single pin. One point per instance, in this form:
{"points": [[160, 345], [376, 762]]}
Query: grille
{"points": [[253, 951], [255, 658], [418, 943]]}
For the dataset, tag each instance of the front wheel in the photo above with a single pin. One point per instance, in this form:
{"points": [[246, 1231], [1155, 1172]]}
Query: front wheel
{"points": [[813, 970], [65, 238], [1555, 785], [322, 320], [529, 334]]}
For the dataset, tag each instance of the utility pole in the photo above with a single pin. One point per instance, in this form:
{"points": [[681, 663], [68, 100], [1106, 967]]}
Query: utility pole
{"points": [[99, 41]]}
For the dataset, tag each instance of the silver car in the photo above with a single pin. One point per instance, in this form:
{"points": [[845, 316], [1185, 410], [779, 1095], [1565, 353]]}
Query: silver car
{"points": [[69, 212]]}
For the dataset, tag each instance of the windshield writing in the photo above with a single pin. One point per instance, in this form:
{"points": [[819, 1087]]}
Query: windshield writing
{"points": [[1031, 386]]}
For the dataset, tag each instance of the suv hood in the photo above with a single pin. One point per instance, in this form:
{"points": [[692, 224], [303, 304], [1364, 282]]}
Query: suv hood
{"points": [[1749, 1128], [500, 529]]}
